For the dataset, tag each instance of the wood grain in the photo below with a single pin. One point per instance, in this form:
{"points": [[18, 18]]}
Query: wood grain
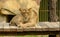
{"points": [[42, 26]]}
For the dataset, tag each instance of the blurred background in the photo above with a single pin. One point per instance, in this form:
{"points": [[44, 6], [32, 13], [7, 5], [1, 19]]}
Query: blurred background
{"points": [[43, 17]]}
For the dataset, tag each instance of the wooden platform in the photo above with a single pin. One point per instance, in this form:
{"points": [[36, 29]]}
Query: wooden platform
{"points": [[41, 26]]}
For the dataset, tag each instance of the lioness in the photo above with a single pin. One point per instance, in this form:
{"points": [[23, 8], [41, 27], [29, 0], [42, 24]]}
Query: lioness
{"points": [[27, 18]]}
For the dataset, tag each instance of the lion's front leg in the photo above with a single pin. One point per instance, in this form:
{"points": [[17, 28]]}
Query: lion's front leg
{"points": [[21, 25]]}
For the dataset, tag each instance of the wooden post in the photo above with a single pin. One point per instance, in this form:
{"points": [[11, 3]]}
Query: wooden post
{"points": [[52, 35], [52, 16]]}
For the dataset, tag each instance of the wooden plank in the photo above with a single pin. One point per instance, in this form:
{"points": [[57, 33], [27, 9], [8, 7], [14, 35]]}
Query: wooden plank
{"points": [[42, 26]]}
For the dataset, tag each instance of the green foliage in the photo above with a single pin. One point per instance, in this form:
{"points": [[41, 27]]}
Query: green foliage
{"points": [[43, 13], [44, 5]]}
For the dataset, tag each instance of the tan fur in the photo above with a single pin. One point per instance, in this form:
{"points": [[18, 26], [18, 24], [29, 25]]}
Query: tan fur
{"points": [[27, 18]]}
